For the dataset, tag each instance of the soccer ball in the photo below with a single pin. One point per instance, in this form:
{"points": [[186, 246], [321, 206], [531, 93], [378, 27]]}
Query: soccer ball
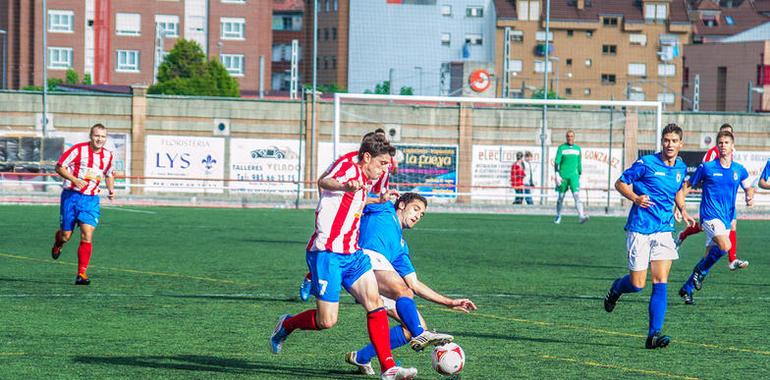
{"points": [[448, 359]]}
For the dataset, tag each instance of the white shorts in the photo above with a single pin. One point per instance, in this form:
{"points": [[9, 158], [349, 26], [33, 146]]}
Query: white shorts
{"points": [[714, 228], [643, 248], [379, 262]]}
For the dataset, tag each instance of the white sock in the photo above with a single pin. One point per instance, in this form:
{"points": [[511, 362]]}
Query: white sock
{"points": [[578, 204], [559, 204]]}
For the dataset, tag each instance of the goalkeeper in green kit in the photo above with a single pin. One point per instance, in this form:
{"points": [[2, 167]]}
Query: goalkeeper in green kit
{"points": [[568, 168]]}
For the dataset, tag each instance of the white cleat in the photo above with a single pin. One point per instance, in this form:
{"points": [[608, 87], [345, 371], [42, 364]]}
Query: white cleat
{"points": [[399, 373], [429, 338], [365, 369], [583, 219], [738, 264], [678, 240], [557, 220]]}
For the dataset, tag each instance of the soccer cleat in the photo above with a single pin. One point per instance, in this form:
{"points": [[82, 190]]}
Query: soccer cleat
{"points": [[399, 373], [611, 299], [557, 220], [697, 278], [738, 264], [657, 341], [366, 369], [279, 335], [584, 219], [678, 240], [687, 297], [304, 289], [429, 338], [82, 279], [55, 252]]}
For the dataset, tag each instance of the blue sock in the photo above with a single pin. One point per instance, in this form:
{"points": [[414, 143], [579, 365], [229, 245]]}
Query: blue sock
{"points": [[624, 285], [397, 339], [407, 311], [657, 307], [713, 256]]}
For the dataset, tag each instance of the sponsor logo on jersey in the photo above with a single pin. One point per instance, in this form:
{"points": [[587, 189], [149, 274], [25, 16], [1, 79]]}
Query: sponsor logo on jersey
{"points": [[717, 175], [662, 174], [735, 175], [678, 176]]}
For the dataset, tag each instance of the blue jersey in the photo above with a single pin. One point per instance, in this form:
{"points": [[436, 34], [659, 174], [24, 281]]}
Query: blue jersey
{"points": [[381, 232], [766, 173], [652, 177], [720, 187]]}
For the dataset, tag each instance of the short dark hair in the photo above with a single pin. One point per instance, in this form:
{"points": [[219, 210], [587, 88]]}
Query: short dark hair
{"points": [[407, 198], [96, 126], [672, 128], [519, 155], [375, 146], [367, 136], [725, 134], [527, 154], [380, 130], [726, 126]]}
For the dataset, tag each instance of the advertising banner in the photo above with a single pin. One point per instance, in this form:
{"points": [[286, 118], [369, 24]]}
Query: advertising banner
{"points": [[427, 169], [268, 166], [597, 164], [197, 161], [118, 143], [491, 169]]}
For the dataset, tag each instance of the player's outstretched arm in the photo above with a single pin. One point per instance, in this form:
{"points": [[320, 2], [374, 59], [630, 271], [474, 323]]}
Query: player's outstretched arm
{"points": [[424, 291]]}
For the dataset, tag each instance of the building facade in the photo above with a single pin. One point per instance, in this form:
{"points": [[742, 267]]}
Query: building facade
{"points": [[597, 49], [123, 42], [287, 27]]}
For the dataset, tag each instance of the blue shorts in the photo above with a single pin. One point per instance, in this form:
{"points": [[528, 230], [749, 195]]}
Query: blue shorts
{"points": [[76, 207], [329, 270]]}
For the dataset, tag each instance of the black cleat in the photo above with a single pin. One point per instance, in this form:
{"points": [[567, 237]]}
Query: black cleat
{"points": [[82, 279], [687, 297], [55, 252], [611, 299], [697, 278], [657, 341]]}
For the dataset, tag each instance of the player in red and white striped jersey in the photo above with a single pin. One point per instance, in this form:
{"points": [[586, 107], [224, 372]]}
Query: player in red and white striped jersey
{"points": [[336, 261], [83, 166], [734, 262]]}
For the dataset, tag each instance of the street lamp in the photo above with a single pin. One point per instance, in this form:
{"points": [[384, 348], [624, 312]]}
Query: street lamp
{"points": [[5, 58]]}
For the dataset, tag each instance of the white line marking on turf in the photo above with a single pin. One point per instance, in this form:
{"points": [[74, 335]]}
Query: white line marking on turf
{"points": [[119, 208], [592, 363]]}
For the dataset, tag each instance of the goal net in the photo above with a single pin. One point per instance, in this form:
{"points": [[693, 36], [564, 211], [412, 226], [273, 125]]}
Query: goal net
{"points": [[462, 149]]}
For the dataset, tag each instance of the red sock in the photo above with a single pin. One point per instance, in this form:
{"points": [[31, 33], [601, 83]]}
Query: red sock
{"points": [[379, 334], [690, 231], [84, 256], [57, 239], [734, 246], [303, 321], [307, 276]]}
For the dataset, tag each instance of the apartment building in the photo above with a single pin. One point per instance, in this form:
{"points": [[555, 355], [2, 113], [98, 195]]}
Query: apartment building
{"points": [[597, 49], [287, 27], [123, 42]]}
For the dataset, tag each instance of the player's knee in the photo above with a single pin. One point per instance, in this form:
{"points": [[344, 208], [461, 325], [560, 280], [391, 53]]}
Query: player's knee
{"points": [[65, 236], [404, 291], [326, 322]]}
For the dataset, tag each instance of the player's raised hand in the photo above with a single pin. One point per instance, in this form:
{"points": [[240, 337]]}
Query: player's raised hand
{"points": [[463, 304], [643, 201], [352, 186], [689, 220]]}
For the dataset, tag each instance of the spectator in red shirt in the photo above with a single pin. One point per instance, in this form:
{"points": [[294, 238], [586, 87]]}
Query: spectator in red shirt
{"points": [[517, 178]]}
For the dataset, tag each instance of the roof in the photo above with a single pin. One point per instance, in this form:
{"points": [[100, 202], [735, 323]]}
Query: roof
{"points": [[757, 33], [707, 5], [103, 88], [566, 10], [744, 16], [288, 5]]}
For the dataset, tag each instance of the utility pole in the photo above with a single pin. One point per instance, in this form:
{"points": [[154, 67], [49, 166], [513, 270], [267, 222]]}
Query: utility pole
{"points": [[44, 122], [5, 58], [544, 126]]}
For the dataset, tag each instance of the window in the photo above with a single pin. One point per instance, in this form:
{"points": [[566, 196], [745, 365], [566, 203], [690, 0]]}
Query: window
{"points": [[334, 34], [446, 39], [167, 25], [128, 24], [61, 21], [517, 36], [666, 97], [609, 49], [522, 10], [655, 12], [281, 52], [326, 7], [234, 1], [567, 91], [570, 33], [587, 91], [729, 20], [515, 66], [540, 66], [709, 21], [608, 79], [589, 33], [233, 63], [534, 10], [588, 62], [666, 70], [334, 62], [336, 5], [610, 21], [637, 69], [540, 36], [637, 39], [59, 58], [528, 10], [127, 61], [474, 39], [326, 34], [233, 28], [474, 12], [568, 61], [446, 10]]}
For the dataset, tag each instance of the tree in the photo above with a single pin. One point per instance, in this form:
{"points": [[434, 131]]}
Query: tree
{"points": [[87, 79], [71, 77], [538, 94], [380, 88], [185, 71], [330, 88], [406, 90]]}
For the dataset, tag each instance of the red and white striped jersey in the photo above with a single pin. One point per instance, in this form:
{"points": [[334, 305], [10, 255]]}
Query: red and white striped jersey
{"points": [[338, 215], [712, 154], [380, 186], [83, 163]]}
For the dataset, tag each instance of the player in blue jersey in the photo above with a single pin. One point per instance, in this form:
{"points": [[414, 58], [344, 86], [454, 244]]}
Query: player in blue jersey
{"points": [[382, 240], [764, 178], [654, 184], [720, 180]]}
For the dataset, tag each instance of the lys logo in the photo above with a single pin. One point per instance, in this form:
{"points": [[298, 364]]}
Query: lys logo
{"points": [[209, 162]]}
